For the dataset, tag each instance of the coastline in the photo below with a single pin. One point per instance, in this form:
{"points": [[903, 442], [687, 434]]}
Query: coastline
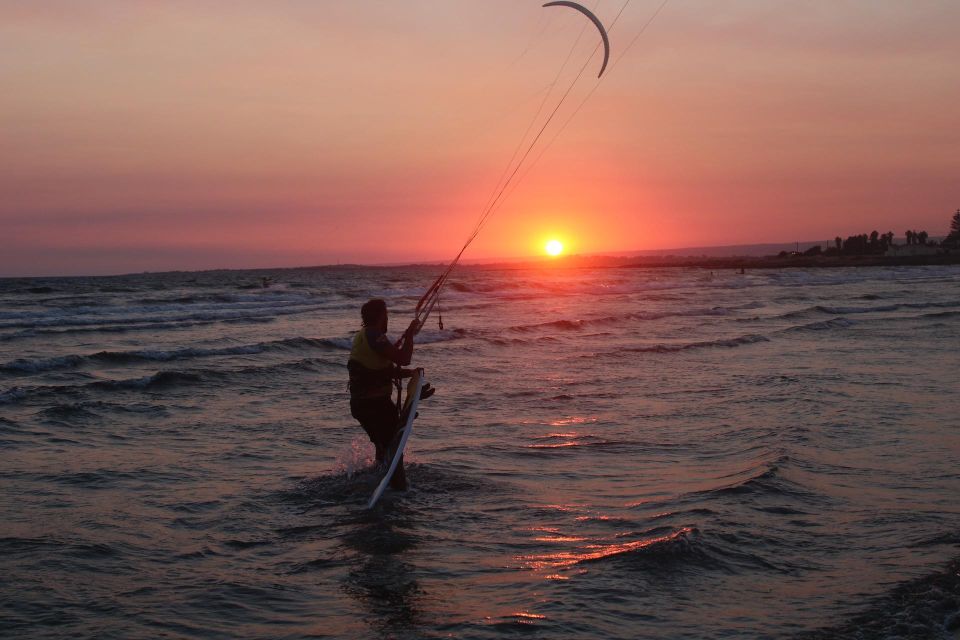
{"points": [[729, 262], [581, 262], [804, 262]]}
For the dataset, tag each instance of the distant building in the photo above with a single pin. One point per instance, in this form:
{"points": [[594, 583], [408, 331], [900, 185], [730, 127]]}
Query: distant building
{"points": [[901, 250]]}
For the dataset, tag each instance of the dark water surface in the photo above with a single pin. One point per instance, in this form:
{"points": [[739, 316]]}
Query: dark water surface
{"points": [[612, 453]]}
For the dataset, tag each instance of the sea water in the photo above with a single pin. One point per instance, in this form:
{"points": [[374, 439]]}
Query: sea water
{"points": [[611, 453]]}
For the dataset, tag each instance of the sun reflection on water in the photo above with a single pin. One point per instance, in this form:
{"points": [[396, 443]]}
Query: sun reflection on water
{"points": [[592, 552]]}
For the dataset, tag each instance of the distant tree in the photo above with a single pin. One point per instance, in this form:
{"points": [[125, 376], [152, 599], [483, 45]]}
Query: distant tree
{"points": [[909, 235], [953, 238], [922, 237], [857, 245], [815, 250], [839, 241]]}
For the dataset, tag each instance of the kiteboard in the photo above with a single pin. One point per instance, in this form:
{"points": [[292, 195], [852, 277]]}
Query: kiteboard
{"points": [[407, 416]]}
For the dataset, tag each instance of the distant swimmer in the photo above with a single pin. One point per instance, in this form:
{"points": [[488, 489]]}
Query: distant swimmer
{"points": [[375, 363]]}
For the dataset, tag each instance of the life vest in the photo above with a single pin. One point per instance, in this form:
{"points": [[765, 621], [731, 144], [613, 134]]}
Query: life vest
{"points": [[371, 373]]}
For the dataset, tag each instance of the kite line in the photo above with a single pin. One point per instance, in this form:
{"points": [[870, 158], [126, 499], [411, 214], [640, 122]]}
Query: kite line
{"points": [[431, 297]]}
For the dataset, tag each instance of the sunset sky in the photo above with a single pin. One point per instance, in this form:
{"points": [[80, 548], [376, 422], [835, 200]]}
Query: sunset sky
{"points": [[152, 135]]}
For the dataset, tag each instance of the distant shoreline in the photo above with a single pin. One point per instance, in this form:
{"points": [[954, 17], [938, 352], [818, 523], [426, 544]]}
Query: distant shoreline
{"points": [[730, 262], [805, 262], [599, 262]]}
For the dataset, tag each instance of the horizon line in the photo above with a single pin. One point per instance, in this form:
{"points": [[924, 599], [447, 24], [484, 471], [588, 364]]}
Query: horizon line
{"points": [[475, 262]]}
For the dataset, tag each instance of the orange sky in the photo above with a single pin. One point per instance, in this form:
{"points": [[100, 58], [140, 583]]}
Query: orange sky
{"points": [[142, 135]]}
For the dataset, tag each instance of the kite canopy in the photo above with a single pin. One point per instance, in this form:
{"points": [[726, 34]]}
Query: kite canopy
{"points": [[596, 21]]}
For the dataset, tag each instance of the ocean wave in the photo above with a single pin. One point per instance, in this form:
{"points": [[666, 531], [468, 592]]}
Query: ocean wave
{"points": [[562, 325], [763, 480], [14, 395], [572, 440], [941, 314], [947, 538], [823, 325], [463, 287], [267, 297], [65, 307], [33, 333], [657, 548], [70, 411], [14, 545], [503, 342], [27, 366], [704, 344], [94, 317], [431, 336], [841, 310], [575, 325], [41, 290], [924, 608], [159, 380], [206, 376], [168, 379], [8, 426], [22, 365]]}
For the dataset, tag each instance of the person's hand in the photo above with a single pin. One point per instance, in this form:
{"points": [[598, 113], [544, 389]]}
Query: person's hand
{"points": [[413, 329]]}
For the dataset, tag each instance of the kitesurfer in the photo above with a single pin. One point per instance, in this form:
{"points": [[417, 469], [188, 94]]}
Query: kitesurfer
{"points": [[375, 362]]}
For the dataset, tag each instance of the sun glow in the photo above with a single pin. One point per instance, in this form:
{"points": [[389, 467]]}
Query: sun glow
{"points": [[554, 248]]}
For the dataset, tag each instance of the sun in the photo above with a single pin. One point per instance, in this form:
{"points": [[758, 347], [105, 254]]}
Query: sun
{"points": [[554, 247]]}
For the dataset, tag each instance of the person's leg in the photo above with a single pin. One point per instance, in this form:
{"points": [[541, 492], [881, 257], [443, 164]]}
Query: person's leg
{"points": [[380, 421], [399, 479], [388, 427], [368, 415]]}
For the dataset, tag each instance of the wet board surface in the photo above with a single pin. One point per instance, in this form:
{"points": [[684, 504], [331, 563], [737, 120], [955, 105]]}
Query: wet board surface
{"points": [[407, 416]]}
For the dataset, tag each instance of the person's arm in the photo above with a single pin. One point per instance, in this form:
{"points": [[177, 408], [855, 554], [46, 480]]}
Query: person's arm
{"points": [[400, 353]]}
